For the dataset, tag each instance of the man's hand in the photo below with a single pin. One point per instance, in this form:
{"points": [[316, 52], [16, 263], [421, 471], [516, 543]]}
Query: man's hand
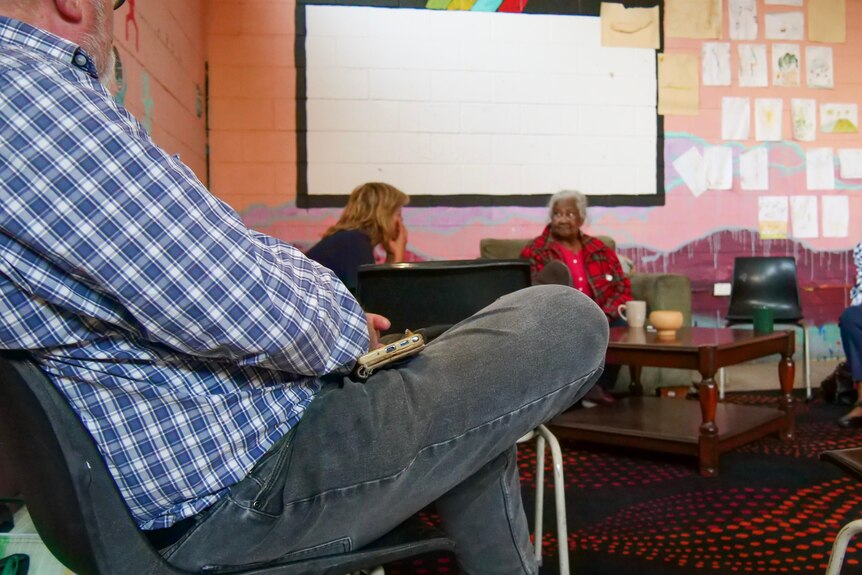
{"points": [[376, 324]]}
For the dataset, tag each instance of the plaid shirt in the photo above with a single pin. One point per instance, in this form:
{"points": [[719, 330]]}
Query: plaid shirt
{"points": [[186, 343], [610, 285]]}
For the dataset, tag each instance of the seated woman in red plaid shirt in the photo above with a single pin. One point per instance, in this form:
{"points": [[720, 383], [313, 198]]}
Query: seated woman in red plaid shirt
{"points": [[565, 254]]}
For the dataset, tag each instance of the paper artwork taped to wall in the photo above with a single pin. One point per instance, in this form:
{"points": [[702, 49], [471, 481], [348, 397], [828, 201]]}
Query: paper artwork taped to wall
{"points": [[803, 216], [743, 19], [753, 67], [820, 169], [826, 21], [719, 167], [772, 217], [678, 86], [715, 63], [692, 169], [839, 118], [693, 19], [850, 162], [818, 64], [630, 27], [836, 216], [783, 2], [786, 67], [735, 118], [803, 118], [767, 119], [784, 26], [754, 169]]}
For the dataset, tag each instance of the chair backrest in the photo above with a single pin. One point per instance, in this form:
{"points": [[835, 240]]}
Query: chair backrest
{"points": [[81, 516], [70, 495], [764, 281], [422, 294], [510, 248]]}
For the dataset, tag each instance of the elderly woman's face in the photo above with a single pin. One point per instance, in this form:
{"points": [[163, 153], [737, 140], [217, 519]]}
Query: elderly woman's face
{"points": [[565, 219]]}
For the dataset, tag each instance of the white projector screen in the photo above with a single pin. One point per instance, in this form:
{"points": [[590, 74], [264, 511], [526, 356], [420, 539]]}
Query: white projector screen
{"points": [[472, 108]]}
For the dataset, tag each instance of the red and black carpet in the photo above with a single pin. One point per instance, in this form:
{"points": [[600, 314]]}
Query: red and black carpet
{"points": [[774, 508]]}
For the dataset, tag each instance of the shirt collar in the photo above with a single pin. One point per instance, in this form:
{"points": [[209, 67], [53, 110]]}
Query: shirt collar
{"points": [[17, 32]]}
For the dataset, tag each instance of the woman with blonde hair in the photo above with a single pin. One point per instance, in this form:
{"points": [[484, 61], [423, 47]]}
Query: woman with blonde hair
{"points": [[371, 217]]}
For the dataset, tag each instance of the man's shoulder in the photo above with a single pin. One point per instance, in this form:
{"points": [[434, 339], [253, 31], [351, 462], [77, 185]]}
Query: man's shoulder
{"points": [[17, 60]]}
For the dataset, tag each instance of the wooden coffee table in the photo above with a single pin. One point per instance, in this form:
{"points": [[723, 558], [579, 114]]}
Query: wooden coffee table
{"points": [[705, 428]]}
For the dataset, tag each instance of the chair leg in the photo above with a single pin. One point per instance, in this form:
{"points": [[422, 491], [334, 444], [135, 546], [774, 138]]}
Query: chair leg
{"points": [[721, 383], [559, 497], [839, 547], [806, 351], [540, 497]]}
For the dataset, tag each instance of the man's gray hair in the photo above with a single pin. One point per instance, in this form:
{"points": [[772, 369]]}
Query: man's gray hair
{"points": [[580, 203]]}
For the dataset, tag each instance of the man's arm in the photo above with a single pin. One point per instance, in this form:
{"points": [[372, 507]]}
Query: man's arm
{"points": [[86, 189]]}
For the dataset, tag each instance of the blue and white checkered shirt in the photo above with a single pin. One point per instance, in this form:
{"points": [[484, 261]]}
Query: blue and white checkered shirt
{"points": [[187, 343]]}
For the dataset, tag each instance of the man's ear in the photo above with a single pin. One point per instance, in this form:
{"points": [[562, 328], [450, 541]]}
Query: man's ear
{"points": [[70, 10]]}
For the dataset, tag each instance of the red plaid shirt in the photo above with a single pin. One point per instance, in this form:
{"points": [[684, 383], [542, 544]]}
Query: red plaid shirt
{"points": [[610, 285]]}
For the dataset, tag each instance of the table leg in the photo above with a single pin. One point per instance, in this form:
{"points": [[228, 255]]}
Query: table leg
{"points": [[635, 387], [708, 441], [786, 374]]}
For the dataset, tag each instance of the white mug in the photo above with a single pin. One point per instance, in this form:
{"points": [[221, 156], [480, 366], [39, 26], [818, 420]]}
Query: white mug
{"points": [[634, 312]]}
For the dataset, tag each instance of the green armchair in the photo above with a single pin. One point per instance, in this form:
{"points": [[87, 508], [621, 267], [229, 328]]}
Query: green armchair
{"points": [[658, 290]]}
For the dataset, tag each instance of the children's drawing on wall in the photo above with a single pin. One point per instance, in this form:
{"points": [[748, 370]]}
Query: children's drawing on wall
{"points": [[784, 26], [850, 162], [692, 169], [839, 118], [785, 65], [743, 19], [753, 67], [715, 58], [803, 116], [803, 216], [693, 18], [119, 78], [772, 217], [836, 216], [149, 104], [735, 118], [132, 20], [818, 61], [820, 169], [754, 170], [718, 162], [767, 119]]}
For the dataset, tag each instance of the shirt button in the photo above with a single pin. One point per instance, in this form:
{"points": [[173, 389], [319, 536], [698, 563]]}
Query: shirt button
{"points": [[575, 260], [80, 60]]}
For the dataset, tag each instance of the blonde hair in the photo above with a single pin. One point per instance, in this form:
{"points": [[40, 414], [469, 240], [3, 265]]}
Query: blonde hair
{"points": [[370, 209]]}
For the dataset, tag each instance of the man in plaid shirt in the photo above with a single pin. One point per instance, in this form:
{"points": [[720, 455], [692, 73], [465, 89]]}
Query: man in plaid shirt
{"points": [[210, 362]]}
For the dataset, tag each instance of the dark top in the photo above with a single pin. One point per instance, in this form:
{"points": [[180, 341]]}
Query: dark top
{"points": [[343, 252]]}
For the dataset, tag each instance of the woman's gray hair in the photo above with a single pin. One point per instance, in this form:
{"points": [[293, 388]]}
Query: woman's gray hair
{"points": [[580, 203]]}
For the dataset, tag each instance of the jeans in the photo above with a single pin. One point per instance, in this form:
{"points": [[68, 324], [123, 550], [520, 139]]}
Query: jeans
{"points": [[440, 427], [850, 324]]}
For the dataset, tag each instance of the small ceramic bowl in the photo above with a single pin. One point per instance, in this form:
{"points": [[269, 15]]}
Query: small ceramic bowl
{"points": [[666, 323]]}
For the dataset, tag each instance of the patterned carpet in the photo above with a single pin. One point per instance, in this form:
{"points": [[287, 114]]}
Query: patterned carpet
{"points": [[774, 508]]}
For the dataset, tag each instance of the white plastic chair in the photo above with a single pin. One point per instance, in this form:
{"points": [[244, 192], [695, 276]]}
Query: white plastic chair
{"points": [[542, 434]]}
